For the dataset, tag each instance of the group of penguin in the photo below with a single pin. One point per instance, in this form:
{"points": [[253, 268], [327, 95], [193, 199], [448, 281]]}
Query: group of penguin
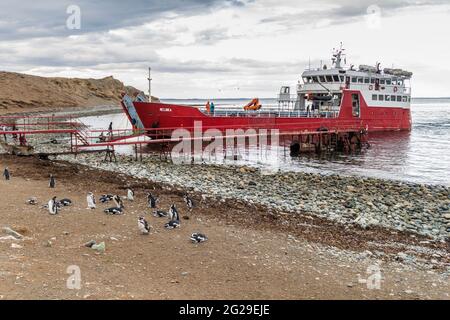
{"points": [[55, 205]]}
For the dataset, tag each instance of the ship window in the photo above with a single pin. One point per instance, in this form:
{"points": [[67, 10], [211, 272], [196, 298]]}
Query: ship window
{"points": [[322, 78], [336, 78], [353, 79], [393, 98], [315, 79], [399, 98], [372, 80], [382, 81], [405, 99], [381, 97], [388, 81], [375, 97], [342, 78], [329, 79], [409, 99], [394, 82], [388, 98], [360, 80], [400, 82], [366, 80]]}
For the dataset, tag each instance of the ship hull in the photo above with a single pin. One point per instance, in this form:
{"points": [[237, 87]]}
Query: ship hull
{"points": [[374, 119]]}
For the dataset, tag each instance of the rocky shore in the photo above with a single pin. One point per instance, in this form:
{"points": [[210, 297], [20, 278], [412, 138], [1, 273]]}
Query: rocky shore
{"points": [[367, 202]]}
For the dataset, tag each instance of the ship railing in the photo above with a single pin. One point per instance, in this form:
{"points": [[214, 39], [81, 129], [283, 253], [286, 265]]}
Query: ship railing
{"points": [[275, 113]]}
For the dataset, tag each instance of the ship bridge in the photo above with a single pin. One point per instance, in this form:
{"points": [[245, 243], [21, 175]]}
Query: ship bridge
{"points": [[321, 89]]}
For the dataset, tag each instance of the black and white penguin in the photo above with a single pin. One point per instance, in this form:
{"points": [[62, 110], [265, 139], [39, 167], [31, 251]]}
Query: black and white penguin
{"points": [[189, 202], [7, 174], [152, 201], [65, 202], [114, 210], [32, 201], [53, 206], [160, 214], [143, 226], [198, 237], [130, 195], [90, 198], [106, 198], [118, 201], [173, 213], [172, 224], [52, 182]]}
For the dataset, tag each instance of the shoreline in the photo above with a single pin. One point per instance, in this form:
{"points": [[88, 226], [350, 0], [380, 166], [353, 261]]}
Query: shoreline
{"points": [[69, 111], [422, 209], [349, 199]]}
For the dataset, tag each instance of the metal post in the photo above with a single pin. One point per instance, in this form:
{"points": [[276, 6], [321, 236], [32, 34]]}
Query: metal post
{"points": [[150, 84]]}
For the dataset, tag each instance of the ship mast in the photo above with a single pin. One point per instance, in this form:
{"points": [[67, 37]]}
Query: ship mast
{"points": [[149, 84], [338, 55]]}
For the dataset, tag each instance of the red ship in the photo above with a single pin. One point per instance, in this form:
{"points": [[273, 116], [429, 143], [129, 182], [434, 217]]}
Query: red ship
{"points": [[329, 99]]}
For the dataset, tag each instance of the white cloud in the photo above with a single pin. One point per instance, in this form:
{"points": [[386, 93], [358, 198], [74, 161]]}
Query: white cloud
{"points": [[238, 50]]}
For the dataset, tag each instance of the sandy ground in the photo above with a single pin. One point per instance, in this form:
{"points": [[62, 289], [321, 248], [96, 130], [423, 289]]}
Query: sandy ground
{"points": [[251, 253]]}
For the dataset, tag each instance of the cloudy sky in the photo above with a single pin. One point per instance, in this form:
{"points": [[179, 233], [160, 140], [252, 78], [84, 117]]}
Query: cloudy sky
{"points": [[224, 48]]}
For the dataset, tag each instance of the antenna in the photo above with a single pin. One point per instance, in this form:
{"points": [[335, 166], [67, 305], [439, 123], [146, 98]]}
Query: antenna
{"points": [[149, 84]]}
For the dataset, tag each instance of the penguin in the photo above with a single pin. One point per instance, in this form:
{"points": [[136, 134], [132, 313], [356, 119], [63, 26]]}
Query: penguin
{"points": [[114, 211], [189, 202], [91, 201], [106, 198], [198, 237], [65, 202], [173, 213], [118, 201], [160, 214], [130, 195], [172, 224], [32, 201], [52, 206], [152, 201], [143, 226], [52, 182], [7, 174]]}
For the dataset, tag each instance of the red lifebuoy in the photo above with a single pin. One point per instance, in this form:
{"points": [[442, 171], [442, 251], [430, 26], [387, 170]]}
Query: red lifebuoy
{"points": [[395, 89]]}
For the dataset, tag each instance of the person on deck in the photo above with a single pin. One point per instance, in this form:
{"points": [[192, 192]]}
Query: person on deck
{"points": [[4, 128], [208, 107], [212, 106], [14, 128], [110, 128], [22, 140]]}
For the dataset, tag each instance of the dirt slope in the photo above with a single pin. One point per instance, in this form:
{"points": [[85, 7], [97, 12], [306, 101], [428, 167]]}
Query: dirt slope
{"points": [[26, 93]]}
